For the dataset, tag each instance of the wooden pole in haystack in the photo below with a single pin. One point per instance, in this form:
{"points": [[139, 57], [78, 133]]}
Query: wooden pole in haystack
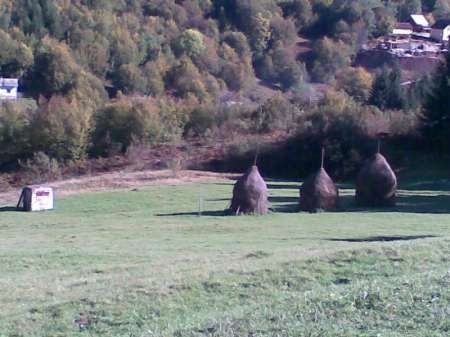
{"points": [[250, 193], [319, 192]]}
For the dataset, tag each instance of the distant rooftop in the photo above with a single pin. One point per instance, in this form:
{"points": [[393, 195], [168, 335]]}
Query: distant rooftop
{"points": [[9, 82], [420, 20], [403, 25]]}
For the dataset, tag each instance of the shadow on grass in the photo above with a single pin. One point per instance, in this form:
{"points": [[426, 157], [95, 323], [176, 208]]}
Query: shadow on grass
{"points": [[283, 187], [205, 213], [280, 199], [384, 238], [286, 208], [421, 204], [9, 209], [406, 203]]}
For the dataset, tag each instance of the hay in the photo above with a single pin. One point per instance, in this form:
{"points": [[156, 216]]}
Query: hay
{"points": [[318, 192], [250, 195], [376, 185]]}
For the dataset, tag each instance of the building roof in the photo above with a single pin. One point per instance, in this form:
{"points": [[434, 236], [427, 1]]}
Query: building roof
{"points": [[403, 25], [420, 20], [441, 24], [9, 82]]}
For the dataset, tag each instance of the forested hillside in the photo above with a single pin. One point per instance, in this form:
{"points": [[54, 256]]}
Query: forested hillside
{"points": [[102, 75]]}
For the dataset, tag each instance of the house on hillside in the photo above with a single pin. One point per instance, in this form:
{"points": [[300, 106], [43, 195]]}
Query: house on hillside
{"points": [[419, 23], [9, 88], [402, 29], [440, 31]]}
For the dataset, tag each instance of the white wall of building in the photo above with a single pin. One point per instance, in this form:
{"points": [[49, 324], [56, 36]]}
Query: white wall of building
{"points": [[402, 31], [8, 88], [440, 34]]}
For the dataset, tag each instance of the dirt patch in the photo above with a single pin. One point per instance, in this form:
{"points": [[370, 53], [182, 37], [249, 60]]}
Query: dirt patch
{"points": [[121, 180]]}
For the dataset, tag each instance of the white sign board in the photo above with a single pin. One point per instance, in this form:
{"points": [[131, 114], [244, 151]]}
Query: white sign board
{"points": [[42, 199], [35, 199]]}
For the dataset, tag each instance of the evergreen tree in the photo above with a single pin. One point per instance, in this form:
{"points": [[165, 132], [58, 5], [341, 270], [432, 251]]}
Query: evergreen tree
{"points": [[386, 91], [436, 112], [441, 9]]}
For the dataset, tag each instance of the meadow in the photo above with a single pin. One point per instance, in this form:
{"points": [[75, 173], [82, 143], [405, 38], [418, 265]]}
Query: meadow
{"points": [[145, 262]]}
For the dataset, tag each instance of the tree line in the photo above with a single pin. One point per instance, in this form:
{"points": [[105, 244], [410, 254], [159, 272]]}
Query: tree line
{"points": [[105, 74]]}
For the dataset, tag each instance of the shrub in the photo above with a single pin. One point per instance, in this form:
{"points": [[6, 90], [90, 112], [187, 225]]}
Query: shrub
{"points": [[125, 121], [191, 42], [40, 168], [202, 119], [356, 82], [129, 79], [61, 128], [275, 114], [15, 119]]}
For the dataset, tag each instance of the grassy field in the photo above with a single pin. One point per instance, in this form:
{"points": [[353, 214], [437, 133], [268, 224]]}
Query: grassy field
{"points": [[144, 263]]}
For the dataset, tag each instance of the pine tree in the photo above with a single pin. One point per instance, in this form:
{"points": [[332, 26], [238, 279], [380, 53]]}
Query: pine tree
{"points": [[386, 91], [436, 112]]}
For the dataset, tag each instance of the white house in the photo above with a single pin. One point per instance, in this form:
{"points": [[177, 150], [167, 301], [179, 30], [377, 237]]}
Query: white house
{"points": [[440, 31], [9, 88], [402, 29]]}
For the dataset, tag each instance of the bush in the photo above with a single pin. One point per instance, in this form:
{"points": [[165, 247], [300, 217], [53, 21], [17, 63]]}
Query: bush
{"points": [[202, 120], [15, 120], [61, 128], [277, 113], [125, 121], [40, 168]]}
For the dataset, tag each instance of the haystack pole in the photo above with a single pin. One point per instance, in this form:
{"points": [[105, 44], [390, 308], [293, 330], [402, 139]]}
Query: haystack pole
{"points": [[376, 184], [250, 194], [319, 192]]}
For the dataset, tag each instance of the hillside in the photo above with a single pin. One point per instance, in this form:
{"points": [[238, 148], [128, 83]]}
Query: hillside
{"points": [[102, 78]]}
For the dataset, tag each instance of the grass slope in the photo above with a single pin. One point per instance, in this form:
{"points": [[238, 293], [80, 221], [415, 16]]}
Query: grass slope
{"points": [[143, 263]]}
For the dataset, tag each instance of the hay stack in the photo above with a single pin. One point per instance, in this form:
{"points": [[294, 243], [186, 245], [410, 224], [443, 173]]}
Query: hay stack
{"points": [[250, 195], [319, 192], [376, 185]]}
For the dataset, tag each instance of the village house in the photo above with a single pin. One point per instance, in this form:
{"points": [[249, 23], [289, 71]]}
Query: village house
{"points": [[9, 88], [402, 29], [440, 31], [419, 23]]}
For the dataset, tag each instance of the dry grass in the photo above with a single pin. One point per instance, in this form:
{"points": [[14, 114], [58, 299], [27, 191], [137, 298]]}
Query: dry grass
{"points": [[122, 180]]}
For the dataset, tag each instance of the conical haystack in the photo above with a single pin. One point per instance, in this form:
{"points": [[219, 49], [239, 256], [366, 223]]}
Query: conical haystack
{"points": [[250, 195], [376, 184], [319, 192]]}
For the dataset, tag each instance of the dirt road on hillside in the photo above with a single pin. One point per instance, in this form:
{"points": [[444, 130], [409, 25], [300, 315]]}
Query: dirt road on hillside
{"points": [[120, 180]]}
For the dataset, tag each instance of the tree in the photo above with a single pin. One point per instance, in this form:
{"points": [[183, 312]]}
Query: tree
{"points": [[129, 79], [302, 12], [14, 131], [356, 82], [386, 91], [329, 57], [125, 121], [61, 128], [441, 9], [15, 57], [409, 7], [287, 71], [190, 43], [436, 112], [55, 70]]}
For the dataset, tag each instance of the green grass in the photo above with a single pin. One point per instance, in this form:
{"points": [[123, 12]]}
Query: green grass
{"points": [[143, 263]]}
